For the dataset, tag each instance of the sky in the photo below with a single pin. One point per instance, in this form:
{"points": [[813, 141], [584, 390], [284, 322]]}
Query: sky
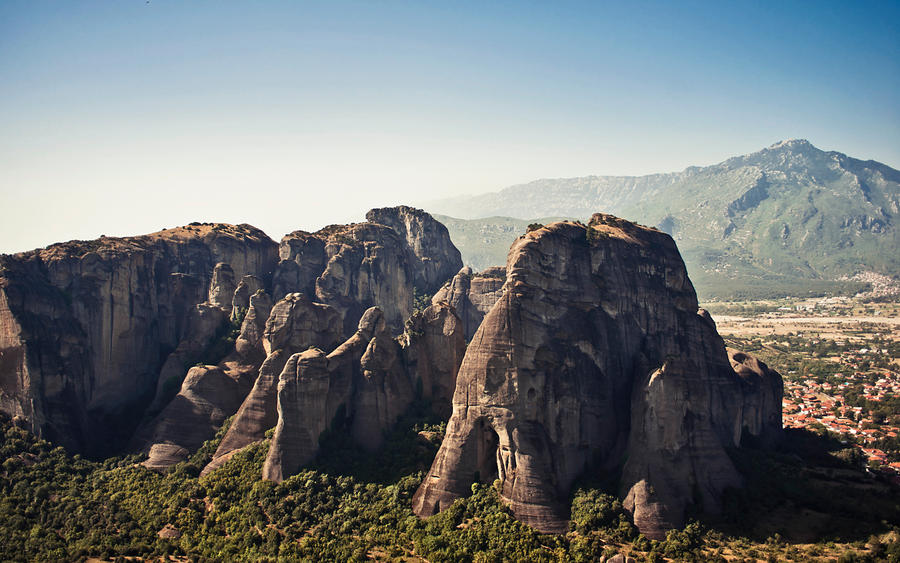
{"points": [[125, 117]]}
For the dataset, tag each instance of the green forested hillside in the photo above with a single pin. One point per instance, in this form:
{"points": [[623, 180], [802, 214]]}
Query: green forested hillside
{"points": [[350, 506], [790, 219]]}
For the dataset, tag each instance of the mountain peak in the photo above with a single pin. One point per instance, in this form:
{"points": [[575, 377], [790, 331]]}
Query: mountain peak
{"points": [[795, 144]]}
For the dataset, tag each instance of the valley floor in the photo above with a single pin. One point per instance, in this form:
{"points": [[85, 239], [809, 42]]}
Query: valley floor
{"points": [[840, 360]]}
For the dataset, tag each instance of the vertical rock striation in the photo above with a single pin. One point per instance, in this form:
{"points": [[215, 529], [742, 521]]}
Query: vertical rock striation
{"points": [[472, 295], [377, 263], [294, 325], [434, 348], [595, 359], [85, 326]]}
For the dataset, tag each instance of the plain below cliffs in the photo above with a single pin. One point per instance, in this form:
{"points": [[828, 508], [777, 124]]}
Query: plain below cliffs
{"points": [[597, 359]]}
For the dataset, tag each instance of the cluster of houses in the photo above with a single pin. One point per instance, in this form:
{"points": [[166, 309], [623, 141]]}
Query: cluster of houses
{"points": [[809, 401]]}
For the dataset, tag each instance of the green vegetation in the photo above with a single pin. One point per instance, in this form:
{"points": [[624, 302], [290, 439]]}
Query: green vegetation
{"points": [[352, 506]]}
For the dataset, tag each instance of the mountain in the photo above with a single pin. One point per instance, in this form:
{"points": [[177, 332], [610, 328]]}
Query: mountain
{"points": [[790, 218]]}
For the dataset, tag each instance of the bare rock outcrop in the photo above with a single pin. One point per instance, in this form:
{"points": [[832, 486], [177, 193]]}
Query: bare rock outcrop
{"points": [[377, 263], [302, 414], [434, 347], [204, 321], [249, 344], [85, 326], [434, 257], [363, 378], [594, 356], [294, 325], [761, 414], [222, 286], [472, 295], [382, 392], [208, 395], [95, 336], [246, 289]]}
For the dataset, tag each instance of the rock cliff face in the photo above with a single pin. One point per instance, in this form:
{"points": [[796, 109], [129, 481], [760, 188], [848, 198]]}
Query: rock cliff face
{"points": [[94, 334], [366, 384], [434, 349], [429, 249], [295, 324], [594, 356], [208, 395], [378, 263], [362, 379], [472, 295], [86, 326]]}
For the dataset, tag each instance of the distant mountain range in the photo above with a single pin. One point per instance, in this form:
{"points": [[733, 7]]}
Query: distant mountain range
{"points": [[789, 219]]}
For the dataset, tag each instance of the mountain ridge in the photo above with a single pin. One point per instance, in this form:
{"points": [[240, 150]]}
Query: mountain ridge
{"points": [[789, 216]]}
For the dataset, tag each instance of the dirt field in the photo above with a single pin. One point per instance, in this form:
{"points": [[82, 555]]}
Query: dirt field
{"points": [[842, 321]]}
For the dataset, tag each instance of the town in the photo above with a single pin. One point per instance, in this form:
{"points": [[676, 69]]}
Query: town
{"points": [[840, 361]]}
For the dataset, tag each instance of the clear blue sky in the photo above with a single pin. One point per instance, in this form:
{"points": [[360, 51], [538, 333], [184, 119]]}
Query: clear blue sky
{"points": [[126, 117]]}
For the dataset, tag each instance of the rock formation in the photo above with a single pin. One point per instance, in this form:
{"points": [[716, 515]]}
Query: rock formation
{"points": [[222, 286], [382, 391], [367, 382], [595, 355], [247, 287], [434, 349], [430, 251], [294, 324], [378, 263], [302, 414], [249, 343], [208, 395], [472, 295], [204, 321], [312, 389], [85, 326], [96, 337], [761, 409]]}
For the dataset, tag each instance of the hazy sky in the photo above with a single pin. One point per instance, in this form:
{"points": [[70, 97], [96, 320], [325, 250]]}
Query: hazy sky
{"points": [[126, 117]]}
